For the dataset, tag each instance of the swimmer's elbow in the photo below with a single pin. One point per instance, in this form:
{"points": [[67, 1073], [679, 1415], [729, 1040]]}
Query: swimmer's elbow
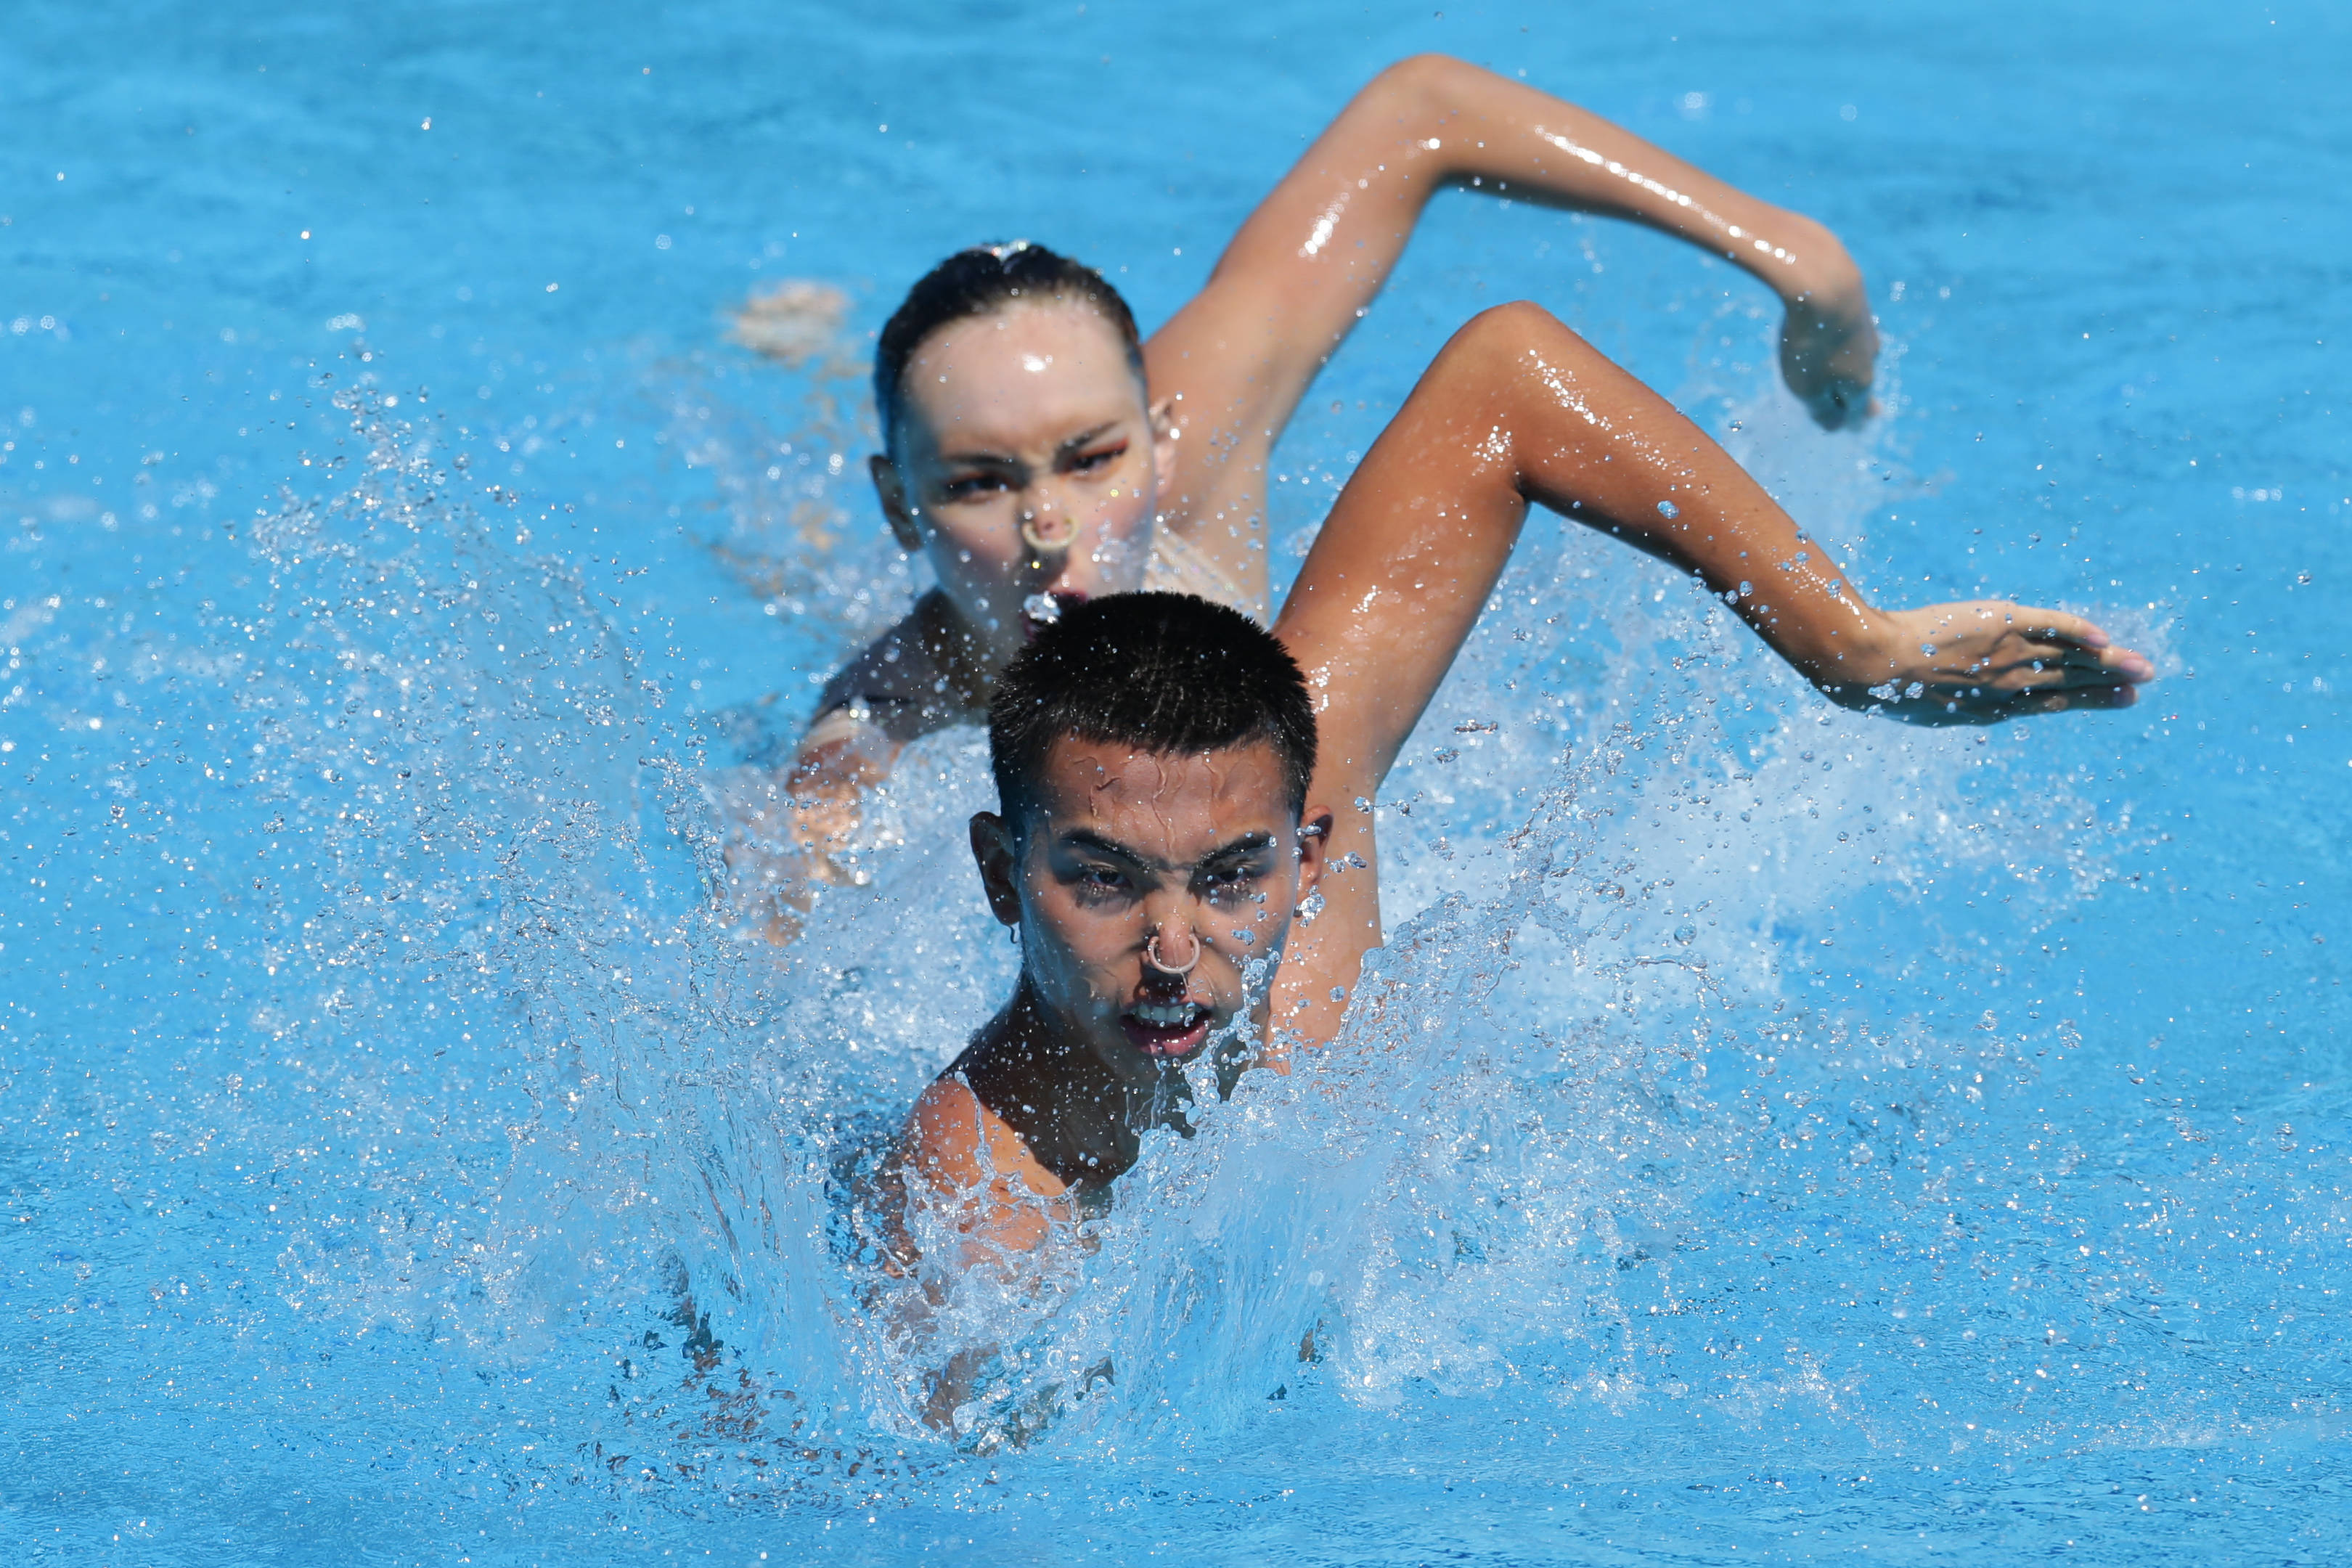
{"points": [[1415, 94], [1424, 93], [1499, 336], [843, 752], [1424, 80], [1515, 323]]}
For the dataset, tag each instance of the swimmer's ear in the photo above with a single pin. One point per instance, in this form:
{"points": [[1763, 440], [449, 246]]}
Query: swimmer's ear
{"points": [[1000, 865], [1314, 849], [1164, 445], [893, 493]]}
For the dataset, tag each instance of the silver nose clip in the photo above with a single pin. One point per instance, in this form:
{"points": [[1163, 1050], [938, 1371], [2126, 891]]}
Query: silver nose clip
{"points": [[1151, 953], [1036, 539]]}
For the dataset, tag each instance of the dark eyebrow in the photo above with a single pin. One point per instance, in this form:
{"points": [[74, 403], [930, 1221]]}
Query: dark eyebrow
{"points": [[1248, 844], [1087, 839], [1084, 438], [1000, 461], [978, 460]]}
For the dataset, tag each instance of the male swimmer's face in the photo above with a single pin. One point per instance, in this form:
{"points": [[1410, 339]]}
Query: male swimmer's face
{"points": [[1197, 858], [1027, 461]]}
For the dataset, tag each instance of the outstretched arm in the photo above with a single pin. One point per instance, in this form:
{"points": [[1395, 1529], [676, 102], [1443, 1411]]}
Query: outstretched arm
{"points": [[1299, 274], [1516, 409]]}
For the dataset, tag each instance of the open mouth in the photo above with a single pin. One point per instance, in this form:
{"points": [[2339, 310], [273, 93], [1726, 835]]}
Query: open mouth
{"points": [[1168, 1031]]}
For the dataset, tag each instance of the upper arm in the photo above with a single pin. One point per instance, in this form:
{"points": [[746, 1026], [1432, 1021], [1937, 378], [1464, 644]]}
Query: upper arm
{"points": [[1295, 277], [1406, 559]]}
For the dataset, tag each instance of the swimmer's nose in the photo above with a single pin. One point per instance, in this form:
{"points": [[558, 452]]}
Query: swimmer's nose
{"points": [[1050, 531], [1172, 950]]}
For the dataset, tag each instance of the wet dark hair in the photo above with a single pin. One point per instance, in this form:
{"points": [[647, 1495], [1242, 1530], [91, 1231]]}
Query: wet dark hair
{"points": [[979, 282], [1156, 672]]}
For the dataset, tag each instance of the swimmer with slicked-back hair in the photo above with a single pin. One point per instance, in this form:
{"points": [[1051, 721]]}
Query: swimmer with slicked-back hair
{"points": [[1040, 452], [1174, 783]]}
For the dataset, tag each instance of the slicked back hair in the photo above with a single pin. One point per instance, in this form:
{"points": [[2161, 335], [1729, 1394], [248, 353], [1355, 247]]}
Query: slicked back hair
{"points": [[979, 282], [1168, 674]]}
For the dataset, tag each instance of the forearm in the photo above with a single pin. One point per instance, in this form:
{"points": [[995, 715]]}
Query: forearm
{"points": [[1517, 409], [1432, 122], [1306, 264], [1472, 128]]}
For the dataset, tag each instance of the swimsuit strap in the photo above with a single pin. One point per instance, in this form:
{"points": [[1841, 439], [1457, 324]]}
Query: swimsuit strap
{"points": [[1180, 566]]}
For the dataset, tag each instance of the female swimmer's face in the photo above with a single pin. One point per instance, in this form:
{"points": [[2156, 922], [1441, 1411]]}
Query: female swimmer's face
{"points": [[1028, 462]]}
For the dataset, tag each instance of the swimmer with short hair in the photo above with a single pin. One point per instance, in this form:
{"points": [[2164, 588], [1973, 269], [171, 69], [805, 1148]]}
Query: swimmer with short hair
{"points": [[1039, 452], [1175, 784]]}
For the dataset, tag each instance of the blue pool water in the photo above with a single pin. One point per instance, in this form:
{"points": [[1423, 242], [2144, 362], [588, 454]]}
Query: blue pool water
{"points": [[1788, 1137]]}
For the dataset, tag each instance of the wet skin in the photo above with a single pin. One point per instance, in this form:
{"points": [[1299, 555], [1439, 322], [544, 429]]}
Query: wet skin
{"points": [[1195, 858], [1516, 411], [1228, 371], [1009, 417], [1025, 462]]}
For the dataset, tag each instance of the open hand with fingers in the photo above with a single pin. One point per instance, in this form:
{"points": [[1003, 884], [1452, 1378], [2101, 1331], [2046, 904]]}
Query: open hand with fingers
{"points": [[1987, 661]]}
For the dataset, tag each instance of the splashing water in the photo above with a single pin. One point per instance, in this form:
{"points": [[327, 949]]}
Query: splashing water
{"points": [[510, 1096], [1675, 1103], [1767, 1133]]}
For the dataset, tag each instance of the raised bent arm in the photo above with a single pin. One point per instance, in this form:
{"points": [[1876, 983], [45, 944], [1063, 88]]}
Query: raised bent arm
{"points": [[1516, 409], [1303, 267]]}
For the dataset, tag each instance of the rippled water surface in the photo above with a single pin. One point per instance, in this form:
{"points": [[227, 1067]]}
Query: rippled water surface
{"points": [[1779, 1136]]}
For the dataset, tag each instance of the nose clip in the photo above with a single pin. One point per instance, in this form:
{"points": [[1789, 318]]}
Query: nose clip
{"points": [[1151, 955], [1034, 534]]}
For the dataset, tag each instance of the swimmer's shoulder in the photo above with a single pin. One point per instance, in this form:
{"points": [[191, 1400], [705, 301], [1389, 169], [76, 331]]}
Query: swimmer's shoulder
{"points": [[957, 1145]]}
